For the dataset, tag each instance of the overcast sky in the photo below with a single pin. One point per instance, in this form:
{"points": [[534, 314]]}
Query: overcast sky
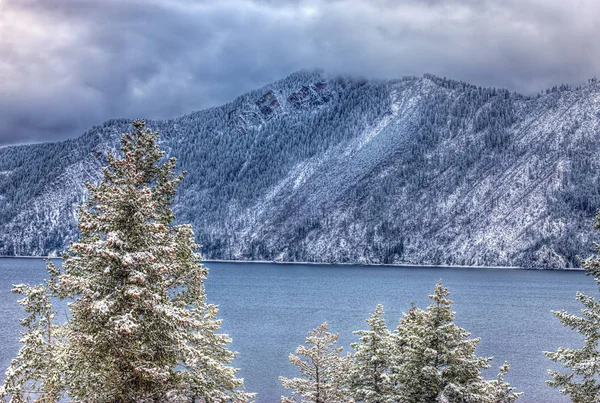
{"points": [[66, 65]]}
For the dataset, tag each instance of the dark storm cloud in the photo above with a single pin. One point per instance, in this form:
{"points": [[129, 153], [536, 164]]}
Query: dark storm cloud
{"points": [[68, 64]]}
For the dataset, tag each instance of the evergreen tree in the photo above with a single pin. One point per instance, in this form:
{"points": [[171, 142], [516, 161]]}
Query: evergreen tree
{"points": [[140, 329], [434, 360], [35, 375], [323, 370], [500, 390], [581, 382], [369, 381]]}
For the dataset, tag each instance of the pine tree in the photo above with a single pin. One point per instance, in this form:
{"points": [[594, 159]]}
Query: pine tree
{"points": [[500, 390], [323, 370], [581, 382], [434, 360], [369, 381], [35, 375], [140, 329]]}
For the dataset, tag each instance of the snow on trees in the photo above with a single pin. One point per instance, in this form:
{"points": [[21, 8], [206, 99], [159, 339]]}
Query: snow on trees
{"points": [[427, 359], [581, 381], [35, 374], [322, 368], [434, 360], [368, 378], [500, 390], [139, 329]]}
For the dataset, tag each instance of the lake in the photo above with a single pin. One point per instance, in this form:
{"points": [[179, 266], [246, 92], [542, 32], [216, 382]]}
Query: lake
{"points": [[268, 308]]}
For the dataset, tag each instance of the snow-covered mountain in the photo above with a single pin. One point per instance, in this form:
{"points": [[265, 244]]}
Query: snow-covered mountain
{"points": [[418, 170]]}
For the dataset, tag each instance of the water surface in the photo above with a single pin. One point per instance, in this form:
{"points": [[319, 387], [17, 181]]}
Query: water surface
{"points": [[268, 308]]}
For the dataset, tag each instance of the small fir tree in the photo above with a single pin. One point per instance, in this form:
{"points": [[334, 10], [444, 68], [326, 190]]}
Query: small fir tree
{"points": [[368, 378], [500, 390], [322, 368], [434, 360], [581, 382], [35, 375]]}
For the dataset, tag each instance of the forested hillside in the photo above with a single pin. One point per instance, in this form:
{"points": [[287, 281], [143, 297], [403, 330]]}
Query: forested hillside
{"points": [[418, 170]]}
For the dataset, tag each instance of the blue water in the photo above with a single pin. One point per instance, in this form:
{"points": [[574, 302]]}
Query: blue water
{"points": [[268, 308]]}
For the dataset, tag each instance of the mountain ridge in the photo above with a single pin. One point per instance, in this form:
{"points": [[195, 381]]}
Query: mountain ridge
{"points": [[313, 167]]}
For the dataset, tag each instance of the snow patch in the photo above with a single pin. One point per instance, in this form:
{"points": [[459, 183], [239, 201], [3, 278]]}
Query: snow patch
{"points": [[371, 133]]}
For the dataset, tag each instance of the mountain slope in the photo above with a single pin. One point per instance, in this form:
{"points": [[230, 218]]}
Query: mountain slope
{"points": [[317, 168]]}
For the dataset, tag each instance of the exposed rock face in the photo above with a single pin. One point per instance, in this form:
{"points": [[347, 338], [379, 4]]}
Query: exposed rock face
{"points": [[313, 168], [314, 95], [268, 104]]}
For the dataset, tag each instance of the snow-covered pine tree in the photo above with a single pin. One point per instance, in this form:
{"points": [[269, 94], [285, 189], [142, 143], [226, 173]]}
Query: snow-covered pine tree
{"points": [[434, 360], [368, 378], [323, 370], [582, 381], [140, 329], [500, 390], [35, 375]]}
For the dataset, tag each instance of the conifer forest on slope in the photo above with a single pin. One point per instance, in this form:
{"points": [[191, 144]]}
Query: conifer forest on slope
{"points": [[418, 170]]}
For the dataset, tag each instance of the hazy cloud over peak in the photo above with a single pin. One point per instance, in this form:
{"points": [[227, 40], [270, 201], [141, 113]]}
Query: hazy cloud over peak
{"points": [[68, 64]]}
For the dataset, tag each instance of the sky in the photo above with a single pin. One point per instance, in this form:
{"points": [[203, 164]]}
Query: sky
{"points": [[66, 65]]}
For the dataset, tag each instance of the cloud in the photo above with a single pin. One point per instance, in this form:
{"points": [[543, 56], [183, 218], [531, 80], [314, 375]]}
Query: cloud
{"points": [[68, 64]]}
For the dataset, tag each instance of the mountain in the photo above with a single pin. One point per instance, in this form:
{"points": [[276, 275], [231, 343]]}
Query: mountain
{"points": [[421, 170]]}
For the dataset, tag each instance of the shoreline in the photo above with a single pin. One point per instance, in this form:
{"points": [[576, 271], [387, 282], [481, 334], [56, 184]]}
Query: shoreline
{"points": [[366, 264], [403, 265]]}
